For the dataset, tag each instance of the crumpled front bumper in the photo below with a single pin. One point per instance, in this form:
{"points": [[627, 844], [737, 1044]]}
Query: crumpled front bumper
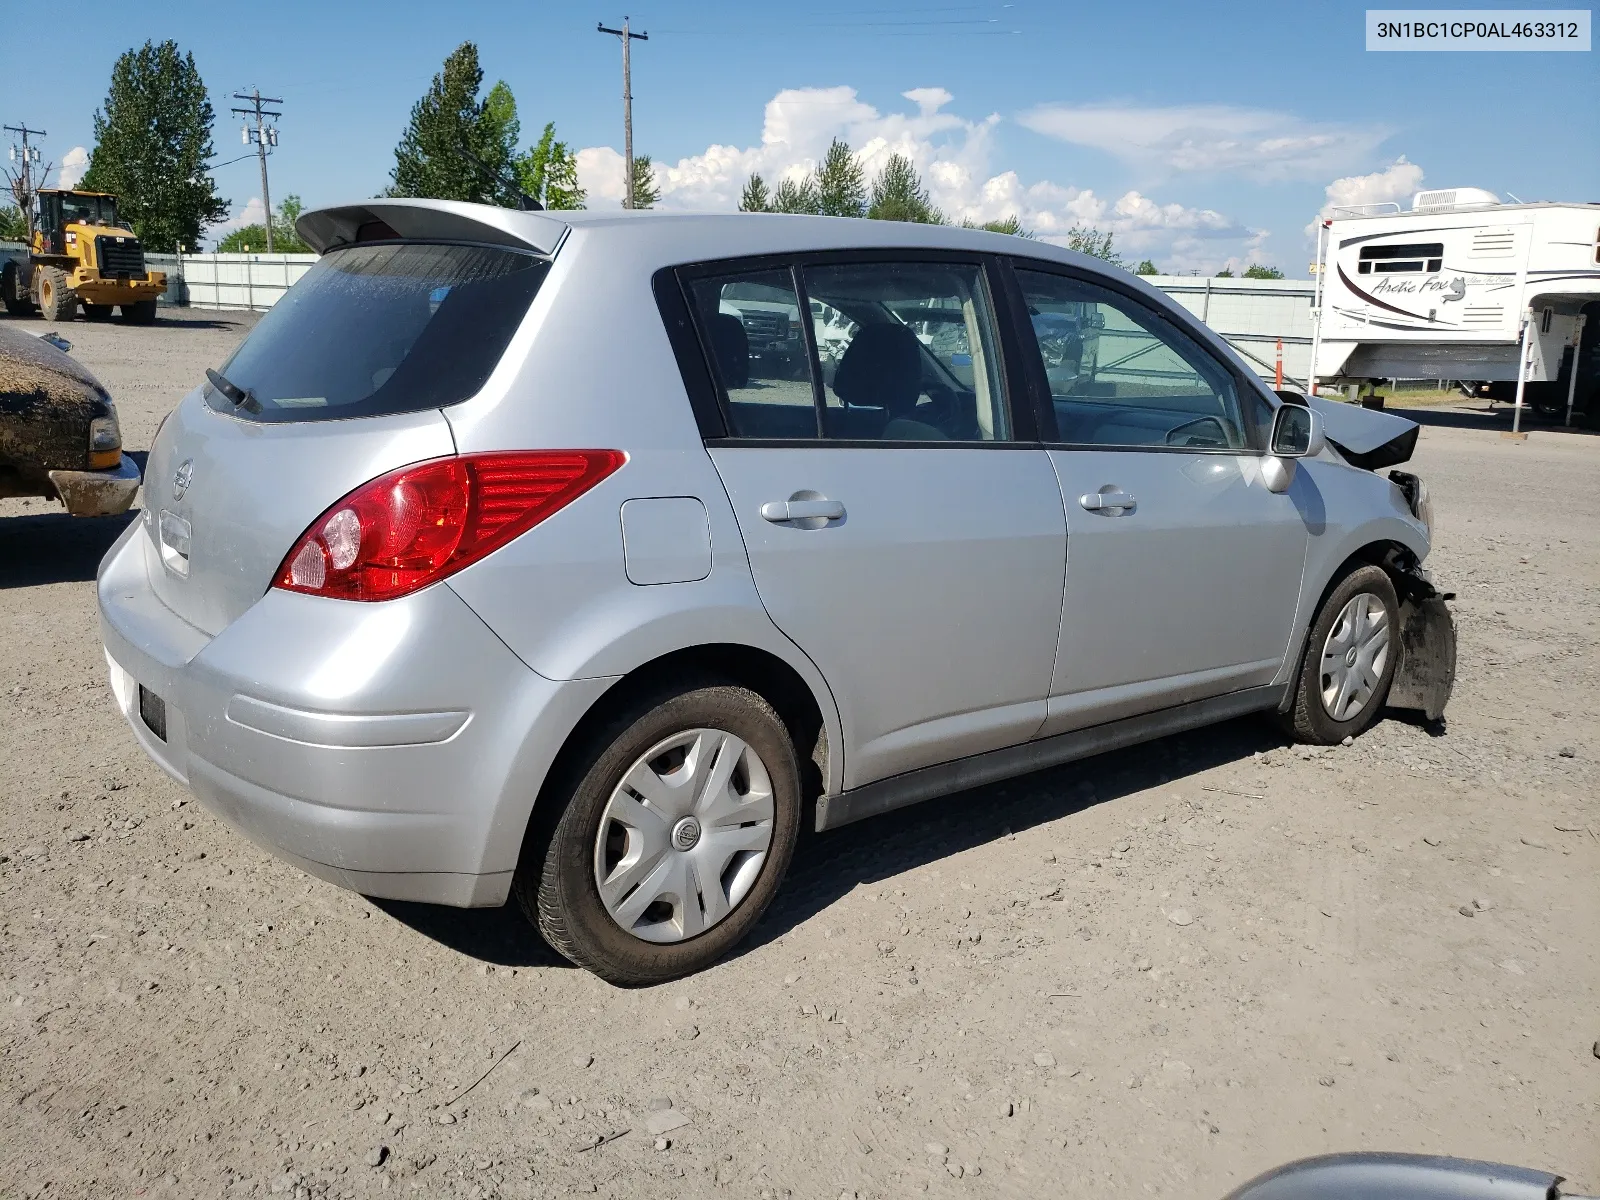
{"points": [[98, 493]]}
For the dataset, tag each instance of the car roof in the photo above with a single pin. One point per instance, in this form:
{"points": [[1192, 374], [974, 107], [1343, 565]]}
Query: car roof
{"points": [[668, 238]]}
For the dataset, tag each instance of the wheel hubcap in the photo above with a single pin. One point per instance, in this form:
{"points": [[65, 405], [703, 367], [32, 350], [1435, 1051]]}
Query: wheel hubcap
{"points": [[684, 836], [1354, 656]]}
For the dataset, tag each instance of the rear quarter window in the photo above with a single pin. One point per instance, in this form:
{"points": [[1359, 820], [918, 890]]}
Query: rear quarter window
{"points": [[377, 329]]}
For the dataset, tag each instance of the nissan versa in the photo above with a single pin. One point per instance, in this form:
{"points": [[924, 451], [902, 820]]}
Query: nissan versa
{"points": [[506, 556]]}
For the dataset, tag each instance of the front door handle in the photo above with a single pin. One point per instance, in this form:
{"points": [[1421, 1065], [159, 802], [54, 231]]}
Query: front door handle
{"points": [[1116, 502], [778, 511]]}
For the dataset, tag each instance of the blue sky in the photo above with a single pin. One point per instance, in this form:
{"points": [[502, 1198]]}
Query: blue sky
{"points": [[1202, 134]]}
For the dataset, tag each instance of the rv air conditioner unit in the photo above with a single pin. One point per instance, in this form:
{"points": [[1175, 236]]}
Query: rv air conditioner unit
{"points": [[1453, 198]]}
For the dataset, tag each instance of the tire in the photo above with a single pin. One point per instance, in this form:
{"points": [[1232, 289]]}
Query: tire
{"points": [[670, 739], [141, 313], [97, 312], [1326, 661], [14, 293], [57, 300]]}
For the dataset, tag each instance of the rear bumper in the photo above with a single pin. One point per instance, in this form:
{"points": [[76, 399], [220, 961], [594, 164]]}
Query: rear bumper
{"points": [[98, 493], [395, 749]]}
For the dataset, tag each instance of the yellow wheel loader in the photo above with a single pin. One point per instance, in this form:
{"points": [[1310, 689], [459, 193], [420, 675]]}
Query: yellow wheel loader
{"points": [[81, 254]]}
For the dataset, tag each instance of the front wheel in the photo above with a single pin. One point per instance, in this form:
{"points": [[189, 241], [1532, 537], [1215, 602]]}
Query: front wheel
{"points": [[57, 300], [1349, 660], [674, 839]]}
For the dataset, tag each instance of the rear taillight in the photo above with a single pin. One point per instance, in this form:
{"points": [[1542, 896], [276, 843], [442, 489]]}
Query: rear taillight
{"points": [[412, 527]]}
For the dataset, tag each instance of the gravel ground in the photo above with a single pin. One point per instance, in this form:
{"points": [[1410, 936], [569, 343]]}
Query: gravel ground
{"points": [[1158, 972]]}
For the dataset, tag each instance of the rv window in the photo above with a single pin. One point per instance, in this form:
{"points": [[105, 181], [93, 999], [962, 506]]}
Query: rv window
{"points": [[1413, 257]]}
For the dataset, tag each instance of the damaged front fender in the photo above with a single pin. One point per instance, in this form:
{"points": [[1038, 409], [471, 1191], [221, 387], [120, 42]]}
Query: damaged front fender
{"points": [[1425, 672]]}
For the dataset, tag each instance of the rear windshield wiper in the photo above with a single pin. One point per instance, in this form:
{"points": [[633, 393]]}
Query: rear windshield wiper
{"points": [[242, 397]]}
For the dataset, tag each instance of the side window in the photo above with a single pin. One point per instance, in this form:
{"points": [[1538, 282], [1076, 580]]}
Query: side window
{"points": [[750, 324], [908, 352], [1121, 375]]}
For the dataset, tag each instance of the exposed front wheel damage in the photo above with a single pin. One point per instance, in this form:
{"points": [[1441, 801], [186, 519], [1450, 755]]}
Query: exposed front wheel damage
{"points": [[1426, 671]]}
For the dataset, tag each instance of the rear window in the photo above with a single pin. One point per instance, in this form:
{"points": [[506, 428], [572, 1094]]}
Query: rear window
{"points": [[378, 329]]}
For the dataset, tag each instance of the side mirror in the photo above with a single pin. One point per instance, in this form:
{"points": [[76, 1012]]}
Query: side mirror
{"points": [[1296, 433]]}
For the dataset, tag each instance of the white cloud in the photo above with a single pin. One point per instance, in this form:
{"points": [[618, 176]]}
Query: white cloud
{"points": [[253, 213], [73, 164], [1209, 137], [952, 153], [1397, 183]]}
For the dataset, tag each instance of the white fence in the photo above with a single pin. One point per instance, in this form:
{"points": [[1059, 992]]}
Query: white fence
{"points": [[1252, 315], [251, 281]]}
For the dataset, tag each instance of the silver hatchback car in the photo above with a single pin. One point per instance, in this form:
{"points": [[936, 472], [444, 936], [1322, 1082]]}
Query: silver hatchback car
{"points": [[587, 557]]}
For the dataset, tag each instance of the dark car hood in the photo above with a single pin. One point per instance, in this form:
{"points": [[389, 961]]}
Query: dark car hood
{"points": [[46, 403], [1367, 438]]}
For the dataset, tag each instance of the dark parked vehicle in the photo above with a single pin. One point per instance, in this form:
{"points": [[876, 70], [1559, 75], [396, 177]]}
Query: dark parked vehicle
{"points": [[58, 430]]}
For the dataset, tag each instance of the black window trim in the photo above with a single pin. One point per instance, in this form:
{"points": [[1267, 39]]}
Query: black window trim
{"points": [[700, 377], [1178, 318]]}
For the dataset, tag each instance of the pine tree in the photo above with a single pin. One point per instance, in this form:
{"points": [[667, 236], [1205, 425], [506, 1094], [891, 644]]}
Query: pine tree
{"points": [[841, 184], [755, 197], [152, 143], [549, 172], [898, 194], [457, 147], [646, 191], [792, 197]]}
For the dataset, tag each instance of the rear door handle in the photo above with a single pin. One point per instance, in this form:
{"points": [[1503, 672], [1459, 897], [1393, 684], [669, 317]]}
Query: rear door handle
{"points": [[1117, 502], [778, 511]]}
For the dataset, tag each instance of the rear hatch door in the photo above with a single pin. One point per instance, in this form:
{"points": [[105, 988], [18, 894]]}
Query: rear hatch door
{"points": [[342, 380]]}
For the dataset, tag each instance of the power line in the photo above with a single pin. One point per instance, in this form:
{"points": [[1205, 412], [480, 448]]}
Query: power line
{"points": [[627, 37], [30, 155], [263, 135]]}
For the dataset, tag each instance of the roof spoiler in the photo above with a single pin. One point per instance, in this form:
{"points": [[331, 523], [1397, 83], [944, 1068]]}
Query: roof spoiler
{"points": [[325, 229]]}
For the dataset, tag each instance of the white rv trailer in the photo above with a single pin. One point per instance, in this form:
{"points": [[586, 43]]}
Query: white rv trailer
{"points": [[1464, 287]]}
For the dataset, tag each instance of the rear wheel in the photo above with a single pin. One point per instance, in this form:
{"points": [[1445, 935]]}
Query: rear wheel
{"points": [[57, 300], [674, 839], [141, 313], [1349, 661], [97, 312], [14, 292]]}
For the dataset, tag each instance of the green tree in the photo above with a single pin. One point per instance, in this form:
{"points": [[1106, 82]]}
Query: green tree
{"points": [[898, 194], [457, 147], [152, 143], [1011, 225], [13, 225], [548, 172], [841, 183], [1089, 240], [755, 197], [797, 197], [254, 237], [646, 191], [1225, 273], [1257, 271], [1146, 267]]}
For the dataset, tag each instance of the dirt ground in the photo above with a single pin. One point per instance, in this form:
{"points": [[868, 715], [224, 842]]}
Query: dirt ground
{"points": [[1159, 972]]}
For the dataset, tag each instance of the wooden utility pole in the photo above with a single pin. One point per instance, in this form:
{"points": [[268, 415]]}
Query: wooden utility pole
{"points": [[627, 36], [30, 155], [263, 136]]}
